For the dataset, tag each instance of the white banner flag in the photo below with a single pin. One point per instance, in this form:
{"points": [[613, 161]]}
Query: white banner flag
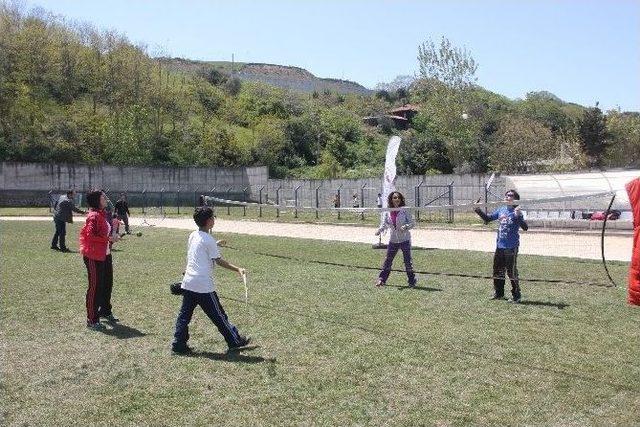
{"points": [[388, 184]]}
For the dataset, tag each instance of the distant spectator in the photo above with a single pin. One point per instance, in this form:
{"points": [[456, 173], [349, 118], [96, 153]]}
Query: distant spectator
{"points": [[336, 201], [355, 201], [379, 200], [63, 214], [122, 211]]}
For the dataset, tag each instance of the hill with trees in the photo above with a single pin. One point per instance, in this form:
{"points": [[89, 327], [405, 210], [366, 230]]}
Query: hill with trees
{"points": [[74, 93]]}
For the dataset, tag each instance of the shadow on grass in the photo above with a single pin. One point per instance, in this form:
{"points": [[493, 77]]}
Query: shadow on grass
{"points": [[413, 248], [558, 305], [232, 356], [121, 331], [416, 288]]}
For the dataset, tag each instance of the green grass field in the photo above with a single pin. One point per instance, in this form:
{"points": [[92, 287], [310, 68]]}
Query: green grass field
{"points": [[331, 349]]}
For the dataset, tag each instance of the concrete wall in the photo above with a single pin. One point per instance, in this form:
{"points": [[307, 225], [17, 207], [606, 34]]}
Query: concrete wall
{"points": [[28, 184], [41, 176]]}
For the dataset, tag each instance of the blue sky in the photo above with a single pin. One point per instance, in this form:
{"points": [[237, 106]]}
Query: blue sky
{"points": [[582, 50]]}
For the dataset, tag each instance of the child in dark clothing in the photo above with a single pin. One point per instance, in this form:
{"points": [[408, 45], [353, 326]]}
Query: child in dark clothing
{"points": [[507, 244]]}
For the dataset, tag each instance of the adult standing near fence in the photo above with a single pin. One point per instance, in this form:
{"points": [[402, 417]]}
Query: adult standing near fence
{"points": [[122, 209], [379, 200], [63, 214]]}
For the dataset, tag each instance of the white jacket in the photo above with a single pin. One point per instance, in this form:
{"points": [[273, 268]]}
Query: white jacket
{"points": [[399, 232]]}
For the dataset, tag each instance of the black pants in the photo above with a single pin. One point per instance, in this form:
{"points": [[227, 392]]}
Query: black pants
{"points": [[125, 219], [104, 291], [61, 232], [506, 260]]}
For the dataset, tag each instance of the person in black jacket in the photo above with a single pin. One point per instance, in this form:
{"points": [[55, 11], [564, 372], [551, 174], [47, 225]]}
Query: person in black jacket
{"points": [[63, 214], [122, 209]]}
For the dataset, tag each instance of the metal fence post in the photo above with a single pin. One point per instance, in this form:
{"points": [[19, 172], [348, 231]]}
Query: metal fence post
{"points": [[486, 198], [212, 195], [229, 198], [451, 201], [178, 200], [260, 201], [417, 198], [278, 201], [362, 201], [339, 199], [162, 201], [144, 199], [244, 200], [317, 199], [295, 201]]}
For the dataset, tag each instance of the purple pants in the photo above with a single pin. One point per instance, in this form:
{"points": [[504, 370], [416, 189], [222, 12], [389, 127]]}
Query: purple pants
{"points": [[392, 250]]}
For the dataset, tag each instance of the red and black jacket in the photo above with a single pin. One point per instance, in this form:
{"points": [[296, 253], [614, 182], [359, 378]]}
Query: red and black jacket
{"points": [[94, 236]]}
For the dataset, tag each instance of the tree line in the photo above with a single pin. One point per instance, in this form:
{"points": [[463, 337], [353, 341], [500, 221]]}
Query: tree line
{"points": [[73, 93]]}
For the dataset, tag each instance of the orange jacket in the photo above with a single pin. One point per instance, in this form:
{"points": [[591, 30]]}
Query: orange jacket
{"points": [[633, 190]]}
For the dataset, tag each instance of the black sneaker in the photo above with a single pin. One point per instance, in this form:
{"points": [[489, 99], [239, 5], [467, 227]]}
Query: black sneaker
{"points": [[65, 250], [55, 248], [244, 341], [97, 326], [497, 297], [110, 318], [514, 300], [181, 349]]}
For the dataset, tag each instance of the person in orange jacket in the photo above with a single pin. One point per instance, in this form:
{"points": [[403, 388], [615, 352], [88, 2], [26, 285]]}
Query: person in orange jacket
{"points": [[633, 190]]}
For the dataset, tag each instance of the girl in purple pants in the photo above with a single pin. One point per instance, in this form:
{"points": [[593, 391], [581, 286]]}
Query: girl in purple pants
{"points": [[399, 222]]}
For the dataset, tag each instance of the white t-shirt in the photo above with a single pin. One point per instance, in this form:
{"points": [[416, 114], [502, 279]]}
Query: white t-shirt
{"points": [[201, 251]]}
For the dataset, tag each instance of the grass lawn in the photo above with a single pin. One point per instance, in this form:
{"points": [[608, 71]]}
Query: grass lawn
{"points": [[330, 348]]}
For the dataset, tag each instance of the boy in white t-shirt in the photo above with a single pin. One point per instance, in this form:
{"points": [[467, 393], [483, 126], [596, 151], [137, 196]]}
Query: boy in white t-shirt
{"points": [[199, 288]]}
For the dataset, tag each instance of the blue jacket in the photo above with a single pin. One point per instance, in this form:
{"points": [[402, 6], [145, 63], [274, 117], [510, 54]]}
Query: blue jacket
{"points": [[509, 227]]}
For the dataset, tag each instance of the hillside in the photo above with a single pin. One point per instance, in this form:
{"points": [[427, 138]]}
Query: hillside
{"points": [[286, 77]]}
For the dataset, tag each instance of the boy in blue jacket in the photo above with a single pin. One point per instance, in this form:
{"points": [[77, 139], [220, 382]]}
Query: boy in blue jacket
{"points": [[507, 244]]}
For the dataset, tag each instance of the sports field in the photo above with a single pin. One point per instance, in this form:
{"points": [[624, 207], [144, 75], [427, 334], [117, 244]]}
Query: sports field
{"points": [[330, 348]]}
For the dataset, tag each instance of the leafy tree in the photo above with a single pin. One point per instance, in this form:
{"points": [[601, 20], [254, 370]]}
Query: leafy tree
{"points": [[233, 86], [270, 142], [624, 135], [385, 95], [423, 152], [447, 78], [447, 64], [522, 145], [329, 167], [214, 76], [594, 136]]}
